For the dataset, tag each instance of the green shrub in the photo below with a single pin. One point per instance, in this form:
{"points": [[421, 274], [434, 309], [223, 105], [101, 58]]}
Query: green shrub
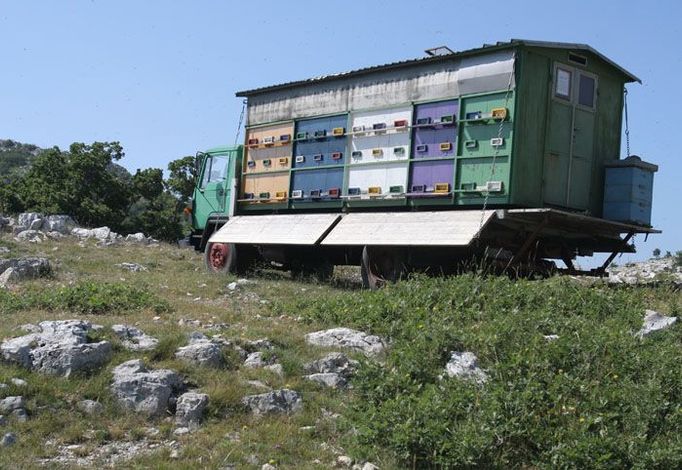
{"points": [[85, 298], [597, 397]]}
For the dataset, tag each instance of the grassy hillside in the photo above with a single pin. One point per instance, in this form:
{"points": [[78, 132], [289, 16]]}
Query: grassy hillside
{"points": [[15, 156], [596, 397]]}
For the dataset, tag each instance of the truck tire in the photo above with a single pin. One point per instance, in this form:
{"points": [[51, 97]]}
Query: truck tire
{"points": [[380, 266], [220, 258]]}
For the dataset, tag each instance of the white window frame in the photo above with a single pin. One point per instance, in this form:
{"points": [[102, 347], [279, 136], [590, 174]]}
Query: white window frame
{"points": [[555, 85], [574, 86]]}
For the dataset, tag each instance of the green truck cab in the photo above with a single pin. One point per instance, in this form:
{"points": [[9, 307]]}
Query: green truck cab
{"points": [[213, 199]]}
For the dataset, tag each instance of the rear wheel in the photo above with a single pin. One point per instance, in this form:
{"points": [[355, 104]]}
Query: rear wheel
{"points": [[381, 265]]}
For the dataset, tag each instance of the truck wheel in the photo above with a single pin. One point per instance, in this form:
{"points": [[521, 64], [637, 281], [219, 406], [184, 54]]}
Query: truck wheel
{"points": [[381, 266], [220, 258]]}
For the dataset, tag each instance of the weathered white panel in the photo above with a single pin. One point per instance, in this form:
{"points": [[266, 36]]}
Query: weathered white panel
{"points": [[480, 74], [381, 175], [419, 82], [451, 228], [289, 229]]}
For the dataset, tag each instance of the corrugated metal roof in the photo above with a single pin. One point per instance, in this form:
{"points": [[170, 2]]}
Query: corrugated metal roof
{"points": [[440, 58]]}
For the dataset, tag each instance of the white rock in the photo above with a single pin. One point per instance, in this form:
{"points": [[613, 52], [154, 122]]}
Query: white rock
{"points": [[654, 321], [190, 408], [465, 365], [335, 362], [138, 237], [134, 339], [20, 415], [60, 348], [201, 351], [344, 461], [81, 232], [62, 224], [8, 439], [102, 233], [551, 338], [19, 382], [26, 219], [328, 379], [181, 431], [9, 404], [37, 224], [132, 267], [370, 345], [90, 407], [256, 360], [23, 268], [267, 466], [144, 391], [277, 401], [30, 236]]}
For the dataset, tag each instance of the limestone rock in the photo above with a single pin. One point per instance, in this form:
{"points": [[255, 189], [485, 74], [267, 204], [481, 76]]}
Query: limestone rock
{"points": [[277, 401], [201, 351], [9, 404], [24, 268], [134, 339], [257, 360], [20, 415], [62, 224], [370, 345], [654, 321], [190, 408], [26, 219], [328, 379], [334, 362], [132, 267], [465, 366], [34, 236], [90, 407], [59, 348], [8, 439], [145, 391]]}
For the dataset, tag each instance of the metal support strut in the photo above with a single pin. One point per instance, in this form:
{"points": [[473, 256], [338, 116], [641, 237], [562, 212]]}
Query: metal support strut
{"points": [[600, 271]]}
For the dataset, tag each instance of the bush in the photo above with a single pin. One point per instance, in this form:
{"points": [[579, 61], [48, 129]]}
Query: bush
{"points": [[85, 298], [598, 397]]}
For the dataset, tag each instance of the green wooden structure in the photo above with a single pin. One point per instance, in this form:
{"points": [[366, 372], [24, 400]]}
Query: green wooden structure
{"points": [[561, 114]]}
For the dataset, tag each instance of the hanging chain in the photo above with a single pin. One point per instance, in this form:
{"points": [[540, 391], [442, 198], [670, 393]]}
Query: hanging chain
{"points": [[241, 120], [627, 125], [500, 130]]}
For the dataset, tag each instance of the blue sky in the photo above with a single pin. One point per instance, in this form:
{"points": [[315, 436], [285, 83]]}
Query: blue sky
{"points": [[160, 76]]}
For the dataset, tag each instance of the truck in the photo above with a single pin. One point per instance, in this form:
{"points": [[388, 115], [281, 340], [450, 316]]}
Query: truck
{"points": [[507, 154]]}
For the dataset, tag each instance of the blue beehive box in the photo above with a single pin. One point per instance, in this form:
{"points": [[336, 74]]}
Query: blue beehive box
{"points": [[628, 190]]}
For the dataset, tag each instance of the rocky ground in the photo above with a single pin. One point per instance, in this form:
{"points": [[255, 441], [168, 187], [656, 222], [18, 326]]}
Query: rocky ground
{"points": [[192, 370], [213, 379]]}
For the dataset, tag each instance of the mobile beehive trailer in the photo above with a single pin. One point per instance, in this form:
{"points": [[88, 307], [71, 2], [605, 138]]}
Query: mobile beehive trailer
{"points": [[498, 153]]}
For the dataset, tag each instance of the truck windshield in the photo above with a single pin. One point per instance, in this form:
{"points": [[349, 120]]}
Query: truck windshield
{"points": [[215, 169]]}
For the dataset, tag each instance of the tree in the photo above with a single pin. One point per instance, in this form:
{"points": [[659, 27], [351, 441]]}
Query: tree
{"points": [[77, 183], [182, 179], [657, 252], [148, 183]]}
